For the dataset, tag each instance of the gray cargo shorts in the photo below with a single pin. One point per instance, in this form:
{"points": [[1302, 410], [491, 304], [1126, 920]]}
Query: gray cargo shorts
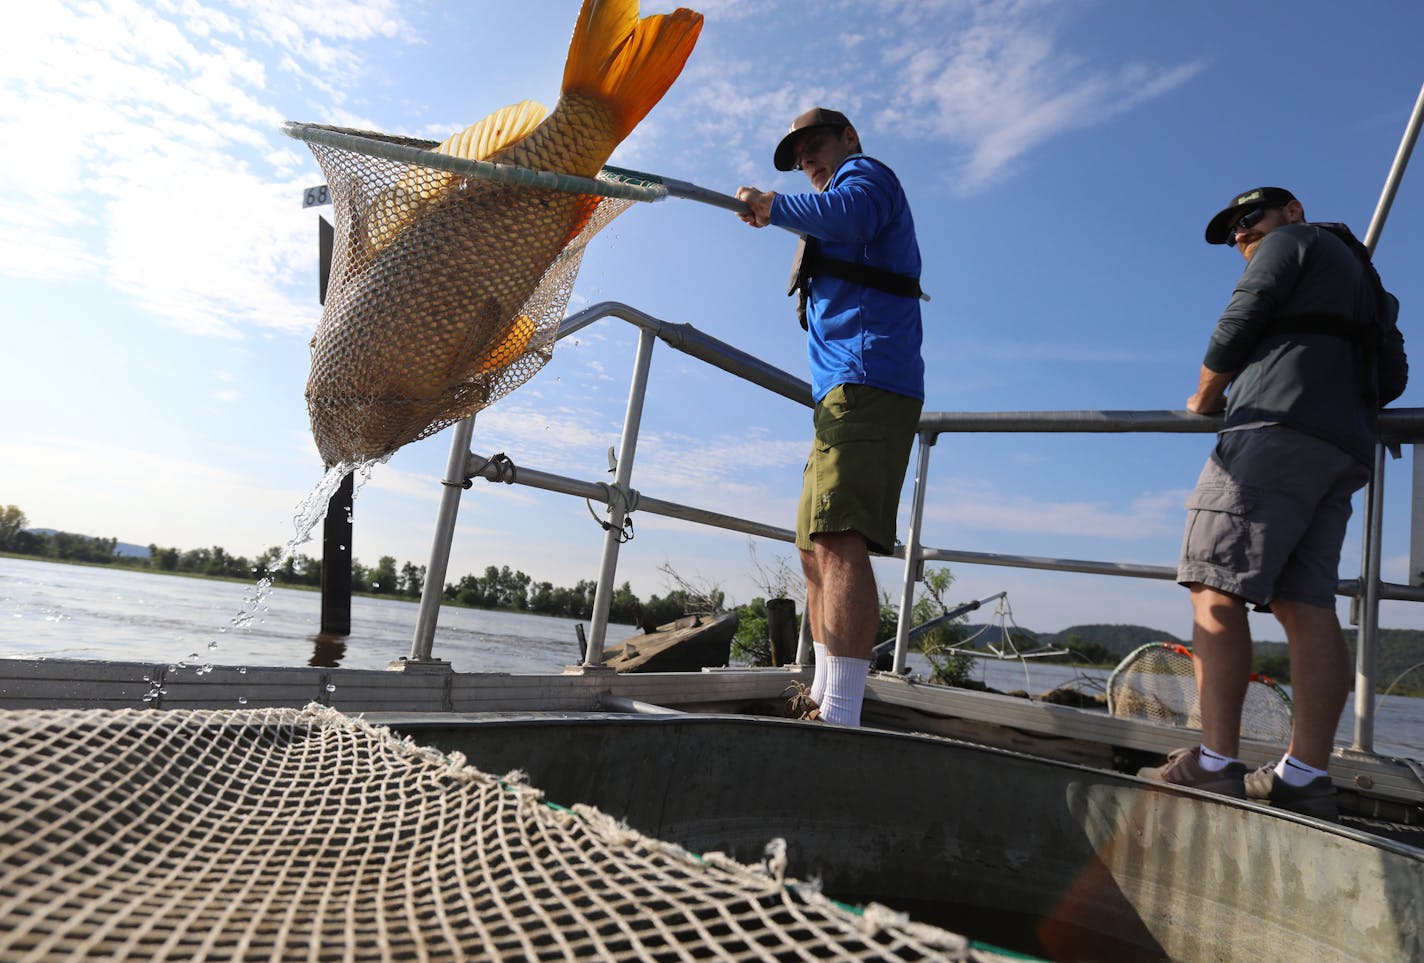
{"points": [[1268, 517]]}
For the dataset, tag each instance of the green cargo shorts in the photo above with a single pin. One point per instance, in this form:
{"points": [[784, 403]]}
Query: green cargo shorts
{"points": [[857, 466]]}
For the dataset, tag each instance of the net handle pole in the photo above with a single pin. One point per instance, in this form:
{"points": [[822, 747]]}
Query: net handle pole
{"points": [[1396, 173], [702, 195], [461, 166], [1367, 600], [688, 191]]}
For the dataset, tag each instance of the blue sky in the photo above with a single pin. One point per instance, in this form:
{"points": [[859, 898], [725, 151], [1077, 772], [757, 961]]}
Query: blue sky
{"points": [[159, 273]]}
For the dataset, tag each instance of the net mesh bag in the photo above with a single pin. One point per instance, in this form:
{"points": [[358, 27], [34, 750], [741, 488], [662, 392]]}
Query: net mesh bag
{"points": [[305, 834], [445, 294], [1156, 683]]}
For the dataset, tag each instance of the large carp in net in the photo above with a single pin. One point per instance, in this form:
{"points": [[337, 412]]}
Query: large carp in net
{"points": [[410, 339], [285, 834], [447, 285]]}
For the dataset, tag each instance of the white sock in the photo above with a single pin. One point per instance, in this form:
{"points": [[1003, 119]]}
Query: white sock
{"points": [[1293, 772], [818, 681], [1213, 761], [845, 689]]}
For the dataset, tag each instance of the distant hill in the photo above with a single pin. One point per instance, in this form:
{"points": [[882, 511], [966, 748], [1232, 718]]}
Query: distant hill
{"points": [[1117, 639], [122, 548]]}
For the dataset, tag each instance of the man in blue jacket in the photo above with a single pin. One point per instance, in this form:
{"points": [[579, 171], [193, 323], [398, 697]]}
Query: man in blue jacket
{"points": [[1309, 359], [858, 278]]}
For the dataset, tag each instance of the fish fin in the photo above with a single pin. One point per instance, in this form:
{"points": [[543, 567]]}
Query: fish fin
{"points": [[510, 347], [495, 132], [398, 206], [628, 62], [587, 204]]}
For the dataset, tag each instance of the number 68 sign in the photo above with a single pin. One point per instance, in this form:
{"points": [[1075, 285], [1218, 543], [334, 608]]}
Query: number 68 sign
{"points": [[315, 196]]}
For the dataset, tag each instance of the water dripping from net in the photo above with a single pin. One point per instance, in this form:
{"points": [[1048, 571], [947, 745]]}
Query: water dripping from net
{"points": [[308, 514]]}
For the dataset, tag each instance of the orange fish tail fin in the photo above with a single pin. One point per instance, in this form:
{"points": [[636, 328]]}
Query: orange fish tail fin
{"points": [[628, 62]]}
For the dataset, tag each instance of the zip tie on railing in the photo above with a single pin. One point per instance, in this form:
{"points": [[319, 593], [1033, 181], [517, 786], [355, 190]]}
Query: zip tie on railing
{"points": [[628, 497], [504, 470]]}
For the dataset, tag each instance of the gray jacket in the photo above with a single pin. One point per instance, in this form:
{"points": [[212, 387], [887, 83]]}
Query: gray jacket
{"points": [[1314, 382]]}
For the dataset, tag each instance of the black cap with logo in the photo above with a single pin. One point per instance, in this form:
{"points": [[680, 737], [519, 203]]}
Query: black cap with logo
{"points": [[1218, 230]]}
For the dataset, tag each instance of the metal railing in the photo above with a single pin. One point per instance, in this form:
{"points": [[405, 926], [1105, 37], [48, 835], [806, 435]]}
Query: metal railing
{"points": [[1401, 426]]}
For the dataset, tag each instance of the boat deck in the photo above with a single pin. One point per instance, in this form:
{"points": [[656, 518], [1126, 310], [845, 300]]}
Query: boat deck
{"points": [[1383, 790]]}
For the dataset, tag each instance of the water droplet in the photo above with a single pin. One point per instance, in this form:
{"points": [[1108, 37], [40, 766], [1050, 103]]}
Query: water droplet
{"points": [[172, 668], [242, 700], [213, 644], [330, 687], [147, 679], [242, 670]]}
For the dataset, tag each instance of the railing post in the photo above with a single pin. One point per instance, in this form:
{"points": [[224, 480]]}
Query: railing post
{"points": [[336, 551], [913, 562], [423, 642], [803, 641], [618, 506], [1367, 646]]}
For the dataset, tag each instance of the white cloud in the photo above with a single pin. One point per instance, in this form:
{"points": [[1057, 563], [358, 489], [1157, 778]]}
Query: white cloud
{"points": [[978, 506], [152, 154], [990, 79], [84, 485], [999, 83]]}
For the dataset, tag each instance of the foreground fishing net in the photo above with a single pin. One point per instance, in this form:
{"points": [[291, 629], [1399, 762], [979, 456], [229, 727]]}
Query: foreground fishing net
{"points": [[1156, 683], [439, 300], [280, 834]]}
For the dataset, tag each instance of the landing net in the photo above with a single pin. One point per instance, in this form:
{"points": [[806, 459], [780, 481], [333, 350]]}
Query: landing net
{"points": [[446, 290], [1156, 683], [305, 834]]}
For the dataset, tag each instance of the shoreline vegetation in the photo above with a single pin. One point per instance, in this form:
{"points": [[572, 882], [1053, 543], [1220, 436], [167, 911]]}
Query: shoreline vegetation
{"points": [[1400, 667]]}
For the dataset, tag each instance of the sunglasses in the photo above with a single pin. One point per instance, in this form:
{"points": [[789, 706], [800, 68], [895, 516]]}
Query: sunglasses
{"points": [[1247, 221]]}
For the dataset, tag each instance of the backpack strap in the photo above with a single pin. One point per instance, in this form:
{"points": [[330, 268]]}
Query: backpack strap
{"points": [[1331, 324], [810, 262]]}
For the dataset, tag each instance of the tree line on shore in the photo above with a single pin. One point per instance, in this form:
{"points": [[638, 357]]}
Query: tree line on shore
{"points": [[1400, 657], [498, 588]]}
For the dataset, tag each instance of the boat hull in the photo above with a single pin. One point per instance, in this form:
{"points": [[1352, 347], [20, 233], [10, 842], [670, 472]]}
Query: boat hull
{"points": [[1048, 858]]}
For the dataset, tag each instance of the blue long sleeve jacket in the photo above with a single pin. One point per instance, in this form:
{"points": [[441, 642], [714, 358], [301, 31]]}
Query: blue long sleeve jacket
{"points": [[858, 334]]}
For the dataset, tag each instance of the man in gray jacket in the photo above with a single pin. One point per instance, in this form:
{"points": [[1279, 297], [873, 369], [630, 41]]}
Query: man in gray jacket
{"points": [[1297, 345]]}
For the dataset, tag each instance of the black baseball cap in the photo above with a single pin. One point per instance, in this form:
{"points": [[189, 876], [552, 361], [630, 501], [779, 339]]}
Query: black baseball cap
{"points": [[1218, 230], [785, 157]]}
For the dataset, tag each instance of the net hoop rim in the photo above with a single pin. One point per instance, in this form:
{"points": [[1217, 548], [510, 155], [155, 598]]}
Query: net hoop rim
{"points": [[417, 152]]}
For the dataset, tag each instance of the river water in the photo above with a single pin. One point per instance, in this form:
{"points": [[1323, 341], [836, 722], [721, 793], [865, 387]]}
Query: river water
{"points": [[50, 610]]}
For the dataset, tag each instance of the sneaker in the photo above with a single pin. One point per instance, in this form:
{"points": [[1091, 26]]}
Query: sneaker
{"points": [[1184, 768], [1259, 781], [1316, 798], [799, 704]]}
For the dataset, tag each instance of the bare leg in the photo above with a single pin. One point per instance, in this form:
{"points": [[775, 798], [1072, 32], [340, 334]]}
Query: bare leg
{"points": [[1320, 678], [1221, 644], [813, 594], [849, 610]]}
